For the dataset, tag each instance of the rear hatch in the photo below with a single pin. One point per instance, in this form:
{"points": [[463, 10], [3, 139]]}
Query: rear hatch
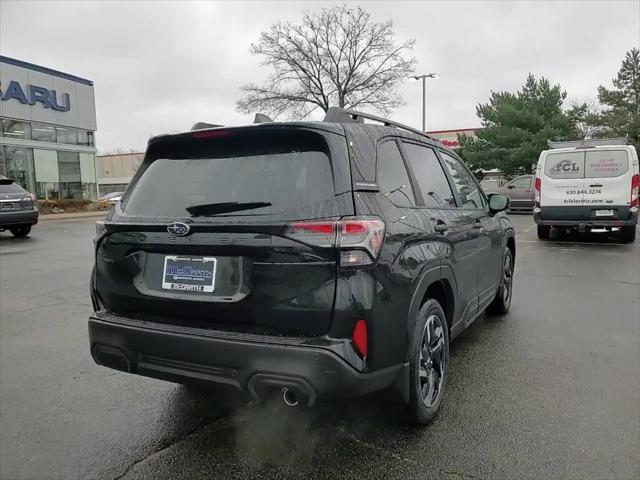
{"points": [[206, 234], [596, 181], [13, 198]]}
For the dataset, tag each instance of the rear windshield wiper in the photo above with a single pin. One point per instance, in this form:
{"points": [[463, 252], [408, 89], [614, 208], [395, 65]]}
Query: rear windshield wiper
{"points": [[223, 207]]}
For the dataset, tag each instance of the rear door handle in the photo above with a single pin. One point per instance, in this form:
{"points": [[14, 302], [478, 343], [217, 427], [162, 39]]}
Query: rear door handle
{"points": [[441, 227], [596, 185]]}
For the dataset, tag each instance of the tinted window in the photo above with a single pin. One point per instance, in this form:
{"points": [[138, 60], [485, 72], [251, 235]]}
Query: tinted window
{"points": [[470, 196], [43, 132], [606, 163], [393, 179], [279, 171], [16, 129], [522, 182], [11, 188], [429, 175], [564, 165], [67, 135]]}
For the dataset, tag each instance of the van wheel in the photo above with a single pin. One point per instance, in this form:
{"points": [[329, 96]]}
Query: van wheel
{"points": [[543, 232], [629, 233], [502, 303], [429, 363], [20, 231]]}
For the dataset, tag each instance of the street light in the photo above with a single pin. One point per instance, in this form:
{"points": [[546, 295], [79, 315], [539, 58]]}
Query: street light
{"points": [[424, 95]]}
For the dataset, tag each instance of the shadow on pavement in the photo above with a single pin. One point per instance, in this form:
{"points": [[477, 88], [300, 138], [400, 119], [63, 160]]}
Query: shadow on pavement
{"points": [[595, 238]]}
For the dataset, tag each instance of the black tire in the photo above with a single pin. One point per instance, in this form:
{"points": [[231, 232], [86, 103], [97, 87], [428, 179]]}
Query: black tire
{"points": [[543, 232], [629, 233], [20, 230], [429, 363], [502, 303]]}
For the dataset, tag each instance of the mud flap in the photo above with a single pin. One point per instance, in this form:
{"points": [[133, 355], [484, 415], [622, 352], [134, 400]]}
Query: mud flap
{"points": [[401, 385]]}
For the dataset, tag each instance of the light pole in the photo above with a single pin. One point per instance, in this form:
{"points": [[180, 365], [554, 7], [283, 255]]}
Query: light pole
{"points": [[424, 95]]}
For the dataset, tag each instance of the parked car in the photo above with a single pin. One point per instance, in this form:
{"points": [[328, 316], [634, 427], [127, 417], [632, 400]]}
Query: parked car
{"points": [[18, 210], [112, 198], [590, 185], [311, 260], [520, 191]]}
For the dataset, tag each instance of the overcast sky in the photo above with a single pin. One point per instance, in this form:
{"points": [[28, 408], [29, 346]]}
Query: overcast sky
{"points": [[160, 67]]}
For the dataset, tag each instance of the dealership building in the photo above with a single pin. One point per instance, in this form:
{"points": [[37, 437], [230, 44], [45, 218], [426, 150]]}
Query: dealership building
{"points": [[47, 130]]}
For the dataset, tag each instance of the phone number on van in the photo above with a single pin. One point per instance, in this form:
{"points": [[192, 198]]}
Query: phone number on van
{"points": [[584, 192]]}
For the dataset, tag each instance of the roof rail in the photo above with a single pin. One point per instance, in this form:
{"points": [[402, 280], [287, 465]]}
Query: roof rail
{"points": [[343, 115], [203, 125], [589, 142]]}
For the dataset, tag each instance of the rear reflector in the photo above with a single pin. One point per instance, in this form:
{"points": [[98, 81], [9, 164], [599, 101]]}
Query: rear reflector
{"points": [[360, 340]]}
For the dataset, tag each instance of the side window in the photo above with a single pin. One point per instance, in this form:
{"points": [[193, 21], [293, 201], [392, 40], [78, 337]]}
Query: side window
{"points": [[522, 182], [470, 196], [429, 175], [393, 179]]}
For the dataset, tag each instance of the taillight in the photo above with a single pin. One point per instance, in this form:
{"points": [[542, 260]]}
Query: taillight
{"points": [[28, 200], [360, 338], [321, 234], [635, 180], [359, 239], [537, 191]]}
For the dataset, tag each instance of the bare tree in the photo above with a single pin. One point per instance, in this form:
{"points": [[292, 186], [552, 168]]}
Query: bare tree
{"points": [[337, 57]]}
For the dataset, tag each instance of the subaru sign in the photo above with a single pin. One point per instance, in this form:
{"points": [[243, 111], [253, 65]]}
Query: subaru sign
{"points": [[33, 94]]}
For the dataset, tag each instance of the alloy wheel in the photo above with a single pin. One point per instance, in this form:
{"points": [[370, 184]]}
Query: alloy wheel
{"points": [[432, 360]]}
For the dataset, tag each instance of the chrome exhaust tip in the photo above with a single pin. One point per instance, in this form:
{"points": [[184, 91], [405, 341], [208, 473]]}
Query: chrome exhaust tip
{"points": [[289, 397]]}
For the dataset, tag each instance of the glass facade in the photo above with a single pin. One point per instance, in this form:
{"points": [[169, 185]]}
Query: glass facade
{"points": [[44, 132], [16, 129], [48, 172]]}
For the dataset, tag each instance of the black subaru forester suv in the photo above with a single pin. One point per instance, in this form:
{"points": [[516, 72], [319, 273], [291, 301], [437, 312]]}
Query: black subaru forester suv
{"points": [[311, 260]]}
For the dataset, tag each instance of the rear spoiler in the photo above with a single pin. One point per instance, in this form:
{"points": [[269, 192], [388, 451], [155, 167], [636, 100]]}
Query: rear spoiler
{"points": [[590, 142], [6, 181]]}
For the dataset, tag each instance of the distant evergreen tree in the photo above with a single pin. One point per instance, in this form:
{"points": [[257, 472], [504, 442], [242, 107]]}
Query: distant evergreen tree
{"points": [[517, 127], [622, 118]]}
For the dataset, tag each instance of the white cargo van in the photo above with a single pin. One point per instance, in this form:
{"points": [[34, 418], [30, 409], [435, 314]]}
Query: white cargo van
{"points": [[591, 184]]}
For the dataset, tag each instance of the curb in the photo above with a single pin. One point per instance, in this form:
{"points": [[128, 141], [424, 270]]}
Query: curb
{"points": [[71, 216]]}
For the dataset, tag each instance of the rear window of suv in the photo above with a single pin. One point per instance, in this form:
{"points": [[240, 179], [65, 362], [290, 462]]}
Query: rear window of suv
{"points": [[234, 172], [11, 188]]}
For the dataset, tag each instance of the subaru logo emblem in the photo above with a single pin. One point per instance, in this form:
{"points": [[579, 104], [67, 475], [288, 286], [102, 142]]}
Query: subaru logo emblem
{"points": [[178, 229]]}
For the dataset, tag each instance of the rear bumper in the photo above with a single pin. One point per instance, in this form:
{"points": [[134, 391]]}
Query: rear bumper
{"points": [[257, 368], [585, 217], [20, 217]]}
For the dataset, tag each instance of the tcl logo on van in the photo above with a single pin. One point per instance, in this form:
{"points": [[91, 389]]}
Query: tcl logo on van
{"points": [[565, 166]]}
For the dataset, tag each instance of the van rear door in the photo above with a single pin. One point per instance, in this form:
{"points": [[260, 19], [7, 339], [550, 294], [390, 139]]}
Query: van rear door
{"points": [[607, 178], [562, 179]]}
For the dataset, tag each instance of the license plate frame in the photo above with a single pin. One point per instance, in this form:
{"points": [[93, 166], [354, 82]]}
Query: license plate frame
{"points": [[186, 273], [604, 213]]}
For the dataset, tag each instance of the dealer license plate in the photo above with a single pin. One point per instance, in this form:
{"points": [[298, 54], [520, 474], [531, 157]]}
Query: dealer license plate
{"points": [[604, 213], [192, 274]]}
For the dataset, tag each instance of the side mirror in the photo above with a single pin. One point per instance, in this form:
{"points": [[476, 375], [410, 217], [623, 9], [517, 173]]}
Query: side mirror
{"points": [[511, 186], [498, 202]]}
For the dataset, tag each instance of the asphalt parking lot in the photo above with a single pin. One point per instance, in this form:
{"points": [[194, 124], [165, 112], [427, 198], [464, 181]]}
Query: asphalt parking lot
{"points": [[550, 391]]}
